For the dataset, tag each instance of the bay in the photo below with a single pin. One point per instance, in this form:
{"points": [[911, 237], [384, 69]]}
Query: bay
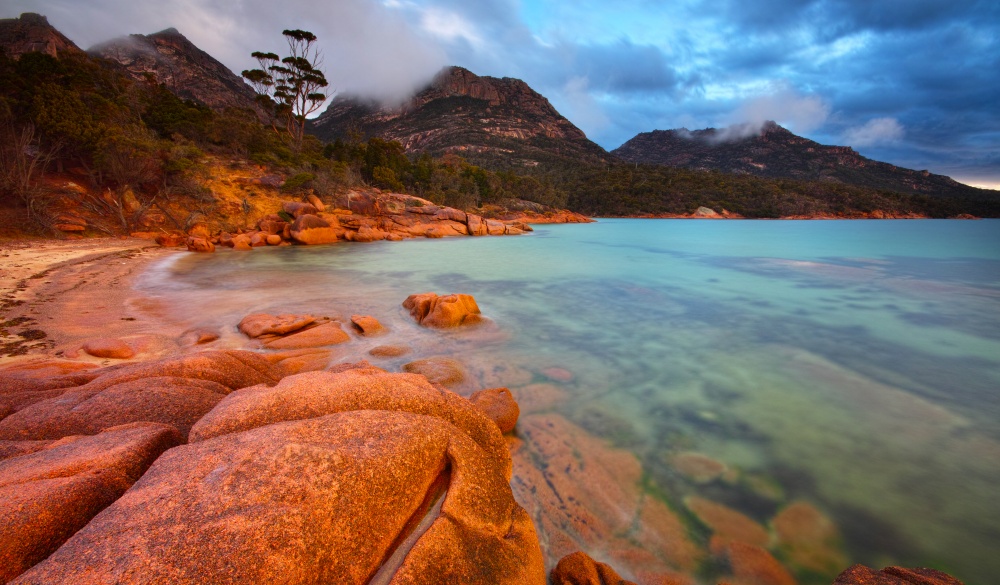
{"points": [[850, 365]]}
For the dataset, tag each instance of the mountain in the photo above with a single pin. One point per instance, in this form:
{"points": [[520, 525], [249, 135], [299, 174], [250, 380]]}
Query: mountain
{"points": [[491, 121], [774, 152], [183, 68], [32, 33]]}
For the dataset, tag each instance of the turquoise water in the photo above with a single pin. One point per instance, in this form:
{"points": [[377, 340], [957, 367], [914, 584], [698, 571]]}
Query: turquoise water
{"points": [[854, 365]]}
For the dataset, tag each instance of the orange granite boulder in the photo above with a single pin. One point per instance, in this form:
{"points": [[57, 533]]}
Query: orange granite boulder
{"points": [[314, 394], [358, 497], [297, 209], [430, 310], [367, 325], [258, 324], [310, 229], [200, 244], [321, 335], [49, 494], [86, 410], [109, 347], [579, 569], [499, 405]]}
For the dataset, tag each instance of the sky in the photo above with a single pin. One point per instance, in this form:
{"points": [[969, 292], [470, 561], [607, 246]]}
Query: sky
{"points": [[912, 82]]}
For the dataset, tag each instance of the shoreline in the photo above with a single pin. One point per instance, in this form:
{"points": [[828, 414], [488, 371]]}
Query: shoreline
{"points": [[54, 294]]}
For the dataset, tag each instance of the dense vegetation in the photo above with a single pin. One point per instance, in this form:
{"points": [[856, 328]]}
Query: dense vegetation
{"points": [[139, 144]]}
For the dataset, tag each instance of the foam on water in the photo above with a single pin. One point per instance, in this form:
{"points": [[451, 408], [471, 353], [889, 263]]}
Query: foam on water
{"points": [[851, 364]]}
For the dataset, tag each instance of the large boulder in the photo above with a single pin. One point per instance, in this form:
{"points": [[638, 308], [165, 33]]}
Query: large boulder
{"points": [[200, 244], [310, 229], [297, 209], [315, 394], [49, 494], [109, 347], [178, 402], [454, 310], [368, 496]]}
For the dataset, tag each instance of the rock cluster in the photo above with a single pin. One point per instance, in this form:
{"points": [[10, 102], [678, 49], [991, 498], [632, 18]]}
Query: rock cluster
{"points": [[226, 467], [371, 217], [431, 310]]}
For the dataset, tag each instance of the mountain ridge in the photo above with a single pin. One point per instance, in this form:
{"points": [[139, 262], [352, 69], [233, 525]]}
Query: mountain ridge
{"points": [[177, 63], [479, 117], [775, 152], [32, 33]]}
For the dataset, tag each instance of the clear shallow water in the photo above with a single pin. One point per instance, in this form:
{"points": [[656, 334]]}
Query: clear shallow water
{"points": [[851, 364]]}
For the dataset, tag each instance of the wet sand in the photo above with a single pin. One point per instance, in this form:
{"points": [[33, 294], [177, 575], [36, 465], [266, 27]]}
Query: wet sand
{"points": [[54, 295]]}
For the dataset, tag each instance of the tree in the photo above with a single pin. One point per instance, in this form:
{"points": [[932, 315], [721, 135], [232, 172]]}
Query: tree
{"points": [[291, 87]]}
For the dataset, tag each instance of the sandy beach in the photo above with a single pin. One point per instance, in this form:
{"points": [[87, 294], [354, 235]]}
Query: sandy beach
{"points": [[56, 294]]}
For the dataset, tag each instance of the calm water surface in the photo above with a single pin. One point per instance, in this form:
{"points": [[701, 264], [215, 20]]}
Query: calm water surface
{"points": [[851, 364]]}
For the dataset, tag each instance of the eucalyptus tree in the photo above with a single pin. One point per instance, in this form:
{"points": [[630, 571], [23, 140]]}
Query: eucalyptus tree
{"points": [[291, 87]]}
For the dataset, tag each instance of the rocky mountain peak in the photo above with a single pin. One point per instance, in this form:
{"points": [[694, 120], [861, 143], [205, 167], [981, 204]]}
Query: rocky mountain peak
{"points": [[176, 62], [772, 151], [480, 117], [32, 33]]}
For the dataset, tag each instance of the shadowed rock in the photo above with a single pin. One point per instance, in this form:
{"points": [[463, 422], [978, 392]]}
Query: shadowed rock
{"points": [[579, 569], [809, 538], [350, 498], [430, 310], [48, 495]]}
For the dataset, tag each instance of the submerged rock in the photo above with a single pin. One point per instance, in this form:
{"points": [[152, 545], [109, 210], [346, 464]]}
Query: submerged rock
{"points": [[430, 310], [697, 467], [726, 523], [809, 538], [439, 370]]}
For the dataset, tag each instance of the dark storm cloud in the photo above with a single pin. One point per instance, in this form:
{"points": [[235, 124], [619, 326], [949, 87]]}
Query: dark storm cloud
{"points": [[623, 67]]}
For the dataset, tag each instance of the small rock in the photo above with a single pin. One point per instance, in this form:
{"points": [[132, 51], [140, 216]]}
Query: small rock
{"points": [[454, 310], [389, 351], [367, 325], [297, 209], [499, 405], [697, 467], [109, 347], [171, 240], [258, 324], [558, 374], [200, 245], [273, 240], [315, 202]]}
